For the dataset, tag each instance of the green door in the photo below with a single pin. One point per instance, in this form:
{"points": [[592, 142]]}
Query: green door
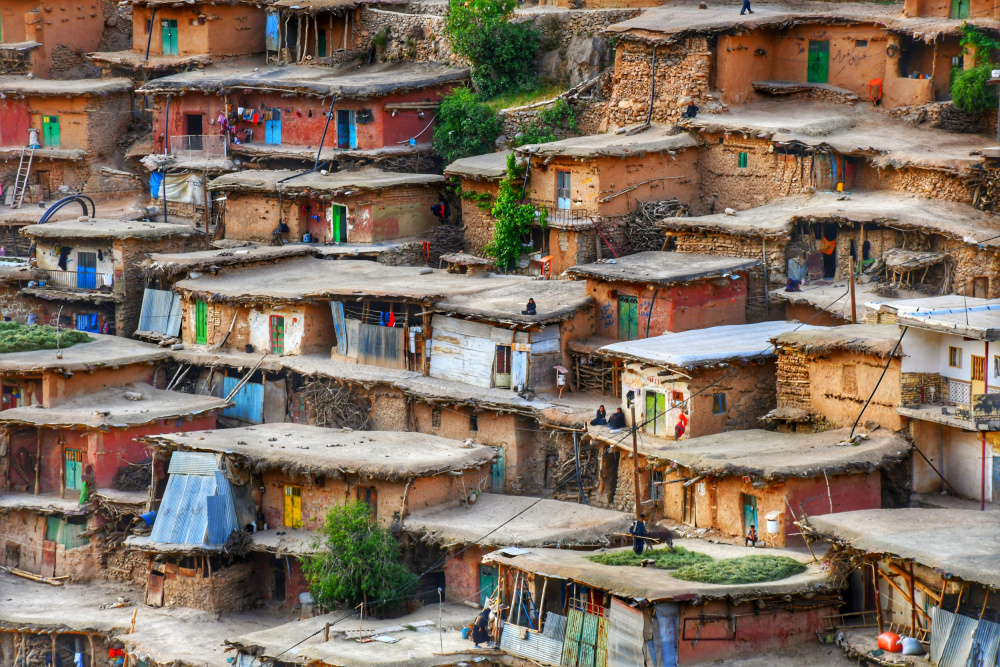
{"points": [[321, 44], [496, 472], [338, 223], [628, 317], [959, 9], [50, 131], [200, 323], [487, 583], [656, 413], [819, 61], [277, 329], [168, 28], [74, 469]]}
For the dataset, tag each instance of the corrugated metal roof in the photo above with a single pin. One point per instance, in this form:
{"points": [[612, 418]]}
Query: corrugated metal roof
{"points": [[193, 463], [555, 626], [221, 511], [161, 311], [959, 644], [984, 645], [941, 621], [538, 647], [196, 509]]}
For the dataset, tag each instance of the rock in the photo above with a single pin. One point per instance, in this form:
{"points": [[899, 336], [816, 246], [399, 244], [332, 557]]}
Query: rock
{"points": [[730, 211], [585, 58], [550, 65]]}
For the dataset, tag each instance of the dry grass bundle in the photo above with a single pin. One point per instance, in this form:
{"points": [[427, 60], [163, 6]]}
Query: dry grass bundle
{"points": [[238, 544], [664, 558], [335, 406], [745, 570], [17, 337]]}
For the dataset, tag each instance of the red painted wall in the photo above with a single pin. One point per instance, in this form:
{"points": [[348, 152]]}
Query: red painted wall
{"points": [[264, 565], [849, 492], [14, 122]]}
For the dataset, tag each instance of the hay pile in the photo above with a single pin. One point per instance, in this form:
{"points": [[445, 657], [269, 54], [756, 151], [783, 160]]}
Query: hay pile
{"points": [[133, 477], [664, 559], [17, 337], [745, 570]]}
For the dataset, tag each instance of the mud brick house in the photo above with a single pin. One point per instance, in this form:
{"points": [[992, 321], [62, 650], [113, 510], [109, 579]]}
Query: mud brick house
{"points": [[353, 207], [649, 293], [947, 363], [848, 53], [478, 177], [588, 184], [77, 123], [382, 113], [919, 572], [48, 38], [730, 481], [282, 479], [826, 375], [485, 339], [454, 532], [721, 378], [92, 268], [168, 37], [594, 609]]}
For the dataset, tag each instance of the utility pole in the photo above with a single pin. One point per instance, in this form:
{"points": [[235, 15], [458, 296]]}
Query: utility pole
{"points": [[635, 454], [854, 310]]}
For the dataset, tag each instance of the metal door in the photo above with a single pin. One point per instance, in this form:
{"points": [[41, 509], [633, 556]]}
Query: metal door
{"points": [[749, 512], [347, 130], [277, 330], [50, 131], [487, 583], [501, 367], [271, 32], [293, 506], [337, 215], [168, 30], [818, 68], [86, 270], [656, 413], [519, 367], [272, 127], [200, 323], [248, 403], [496, 472], [628, 317], [563, 195], [74, 469]]}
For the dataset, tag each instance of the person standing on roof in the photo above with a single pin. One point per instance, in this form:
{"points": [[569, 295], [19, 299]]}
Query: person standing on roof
{"points": [[481, 628], [746, 7]]}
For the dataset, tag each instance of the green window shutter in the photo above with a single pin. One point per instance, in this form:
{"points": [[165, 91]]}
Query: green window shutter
{"points": [[200, 323]]}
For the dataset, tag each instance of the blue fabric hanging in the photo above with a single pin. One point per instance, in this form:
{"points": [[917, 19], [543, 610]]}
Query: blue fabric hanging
{"points": [[155, 182]]}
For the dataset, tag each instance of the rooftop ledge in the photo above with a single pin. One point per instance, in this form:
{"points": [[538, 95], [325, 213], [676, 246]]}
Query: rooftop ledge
{"points": [[932, 413]]}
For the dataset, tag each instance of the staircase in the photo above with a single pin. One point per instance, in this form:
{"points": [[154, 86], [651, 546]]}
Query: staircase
{"points": [[21, 181]]}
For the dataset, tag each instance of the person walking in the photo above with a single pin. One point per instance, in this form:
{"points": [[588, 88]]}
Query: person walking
{"points": [[746, 7]]}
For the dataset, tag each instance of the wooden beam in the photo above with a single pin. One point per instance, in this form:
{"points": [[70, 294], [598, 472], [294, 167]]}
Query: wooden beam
{"points": [[913, 599], [38, 458], [904, 594], [926, 589], [878, 595]]}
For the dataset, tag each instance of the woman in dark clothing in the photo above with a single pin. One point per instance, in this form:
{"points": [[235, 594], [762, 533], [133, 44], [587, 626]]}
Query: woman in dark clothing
{"points": [[481, 628], [601, 419]]}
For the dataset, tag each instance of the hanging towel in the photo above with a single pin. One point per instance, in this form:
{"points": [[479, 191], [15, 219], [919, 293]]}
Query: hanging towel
{"points": [[392, 319], [827, 247]]}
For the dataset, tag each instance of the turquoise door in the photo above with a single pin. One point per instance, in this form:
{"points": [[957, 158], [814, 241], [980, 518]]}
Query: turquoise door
{"points": [[272, 128], [271, 33], [496, 472], [628, 317], [168, 31], [750, 513], [347, 129], [74, 469], [487, 583]]}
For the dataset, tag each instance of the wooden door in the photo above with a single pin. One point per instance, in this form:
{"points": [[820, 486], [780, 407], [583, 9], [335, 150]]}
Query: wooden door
{"points": [[628, 317], [154, 593], [369, 496], [74, 469], [48, 558], [818, 68], [978, 376], [50, 131], [519, 366], [293, 506], [168, 32], [200, 323], [487, 583], [980, 287]]}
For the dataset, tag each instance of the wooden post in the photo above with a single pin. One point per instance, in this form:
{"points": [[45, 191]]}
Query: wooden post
{"points": [[635, 460], [961, 591], [90, 640], [326, 633], [62, 468], [878, 595], [211, 583], [53, 648], [913, 601], [38, 459], [985, 601], [854, 312], [541, 604]]}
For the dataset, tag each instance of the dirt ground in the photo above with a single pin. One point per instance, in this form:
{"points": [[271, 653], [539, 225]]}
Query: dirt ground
{"points": [[813, 655]]}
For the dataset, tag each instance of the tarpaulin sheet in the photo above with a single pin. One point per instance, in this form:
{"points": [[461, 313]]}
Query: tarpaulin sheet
{"points": [[186, 188]]}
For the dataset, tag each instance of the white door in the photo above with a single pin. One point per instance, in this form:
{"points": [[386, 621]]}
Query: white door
{"points": [[519, 367]]}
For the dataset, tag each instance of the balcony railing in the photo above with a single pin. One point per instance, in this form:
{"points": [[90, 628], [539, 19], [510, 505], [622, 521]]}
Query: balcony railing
{"points": [[82, 280], [569, 218], [198, 145]]}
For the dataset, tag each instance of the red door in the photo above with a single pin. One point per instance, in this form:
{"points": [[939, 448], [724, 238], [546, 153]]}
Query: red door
{"points": [[13, 122]]}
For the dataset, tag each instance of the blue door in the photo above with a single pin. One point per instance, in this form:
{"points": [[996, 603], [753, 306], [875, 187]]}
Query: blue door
{"points": [[249, 401], [87, 322], [272, 128], [347, 129], [271, 33], [86, 270]]}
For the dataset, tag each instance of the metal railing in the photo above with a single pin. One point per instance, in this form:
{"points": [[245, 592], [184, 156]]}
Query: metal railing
{"points": [[569, 217], [198, 145], [83, 280]]}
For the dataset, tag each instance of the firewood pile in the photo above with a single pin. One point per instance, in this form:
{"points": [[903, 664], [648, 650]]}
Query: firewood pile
{"points": [[133, 477], [335, 406], [445, 240], [641, 226]]}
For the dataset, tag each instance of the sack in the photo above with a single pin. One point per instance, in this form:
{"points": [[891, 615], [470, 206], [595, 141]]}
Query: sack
{"points": [[912, 647], [889, 641]]}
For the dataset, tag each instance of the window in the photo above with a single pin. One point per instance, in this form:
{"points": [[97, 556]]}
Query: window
{"points": [[676, 398], [74, 469], [719, 404], [563, 190], [293, 506], [656, 485], [955, 357], [996, 367], [200, 323], [436, 417], [742, 160], [277, 330], [860, 43]]}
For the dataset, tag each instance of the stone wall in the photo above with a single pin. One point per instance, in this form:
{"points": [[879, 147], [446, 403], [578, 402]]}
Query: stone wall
{"points": [[408, 36], [767, 176], [229, 588], [793, 380], [478, 222], [682, 74]]}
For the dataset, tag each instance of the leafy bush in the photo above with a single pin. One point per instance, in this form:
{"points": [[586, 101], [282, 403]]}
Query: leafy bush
{"points": [[984, 44], [358, 561], [500, 51], [513, 219], [559, 116], [665, 560], [17, 337], [745, 570], [970, 93], [465, 126]]}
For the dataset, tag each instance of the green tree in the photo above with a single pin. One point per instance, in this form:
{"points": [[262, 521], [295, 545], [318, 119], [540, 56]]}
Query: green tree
{"points": [[357, 561], [970, 92], [541, 130], [513, 219], [465, 126], [501, 51]]}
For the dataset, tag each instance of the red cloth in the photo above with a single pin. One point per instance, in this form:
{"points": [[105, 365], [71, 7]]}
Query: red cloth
{"points": [[392, 319]]}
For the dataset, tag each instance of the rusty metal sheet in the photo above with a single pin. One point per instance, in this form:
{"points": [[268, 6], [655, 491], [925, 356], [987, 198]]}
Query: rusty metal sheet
{"points": [[571, 644], [601, 651]]}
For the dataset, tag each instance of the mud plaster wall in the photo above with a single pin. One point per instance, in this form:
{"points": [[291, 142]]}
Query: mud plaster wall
{"points": [[461, 575], [214, 29], [942, 8], [24, 531], [682, 74], [229, 588], [478, 223], [66, 30], [423, 492], [313, 332], [963, 462], [130, 279], [265, 566]]}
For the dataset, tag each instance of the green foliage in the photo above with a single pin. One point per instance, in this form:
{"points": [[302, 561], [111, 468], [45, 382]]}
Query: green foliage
{"points": [[358, 561], [559, 116], [665, 560], [465, 126], [500, 51], [970, 92], [484, 200], [745, 570], [17, 337], [984, 44], [513, 219]]}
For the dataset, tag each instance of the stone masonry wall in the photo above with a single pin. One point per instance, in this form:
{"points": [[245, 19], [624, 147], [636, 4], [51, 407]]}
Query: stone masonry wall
{"points": [[478, 223], [767, 176], [793, 379], [133, 280], [682, 74], [231, 589], [410, 36], [730, 245]]}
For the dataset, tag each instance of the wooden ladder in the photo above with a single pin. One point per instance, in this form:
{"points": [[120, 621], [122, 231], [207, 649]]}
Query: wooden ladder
{"points": [[21, 181]]}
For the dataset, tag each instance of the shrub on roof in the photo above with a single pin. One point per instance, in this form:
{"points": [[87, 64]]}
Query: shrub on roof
{"points": [[970, 92], [17, 337], [465, 126], [745, 570], [664, 558]]}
